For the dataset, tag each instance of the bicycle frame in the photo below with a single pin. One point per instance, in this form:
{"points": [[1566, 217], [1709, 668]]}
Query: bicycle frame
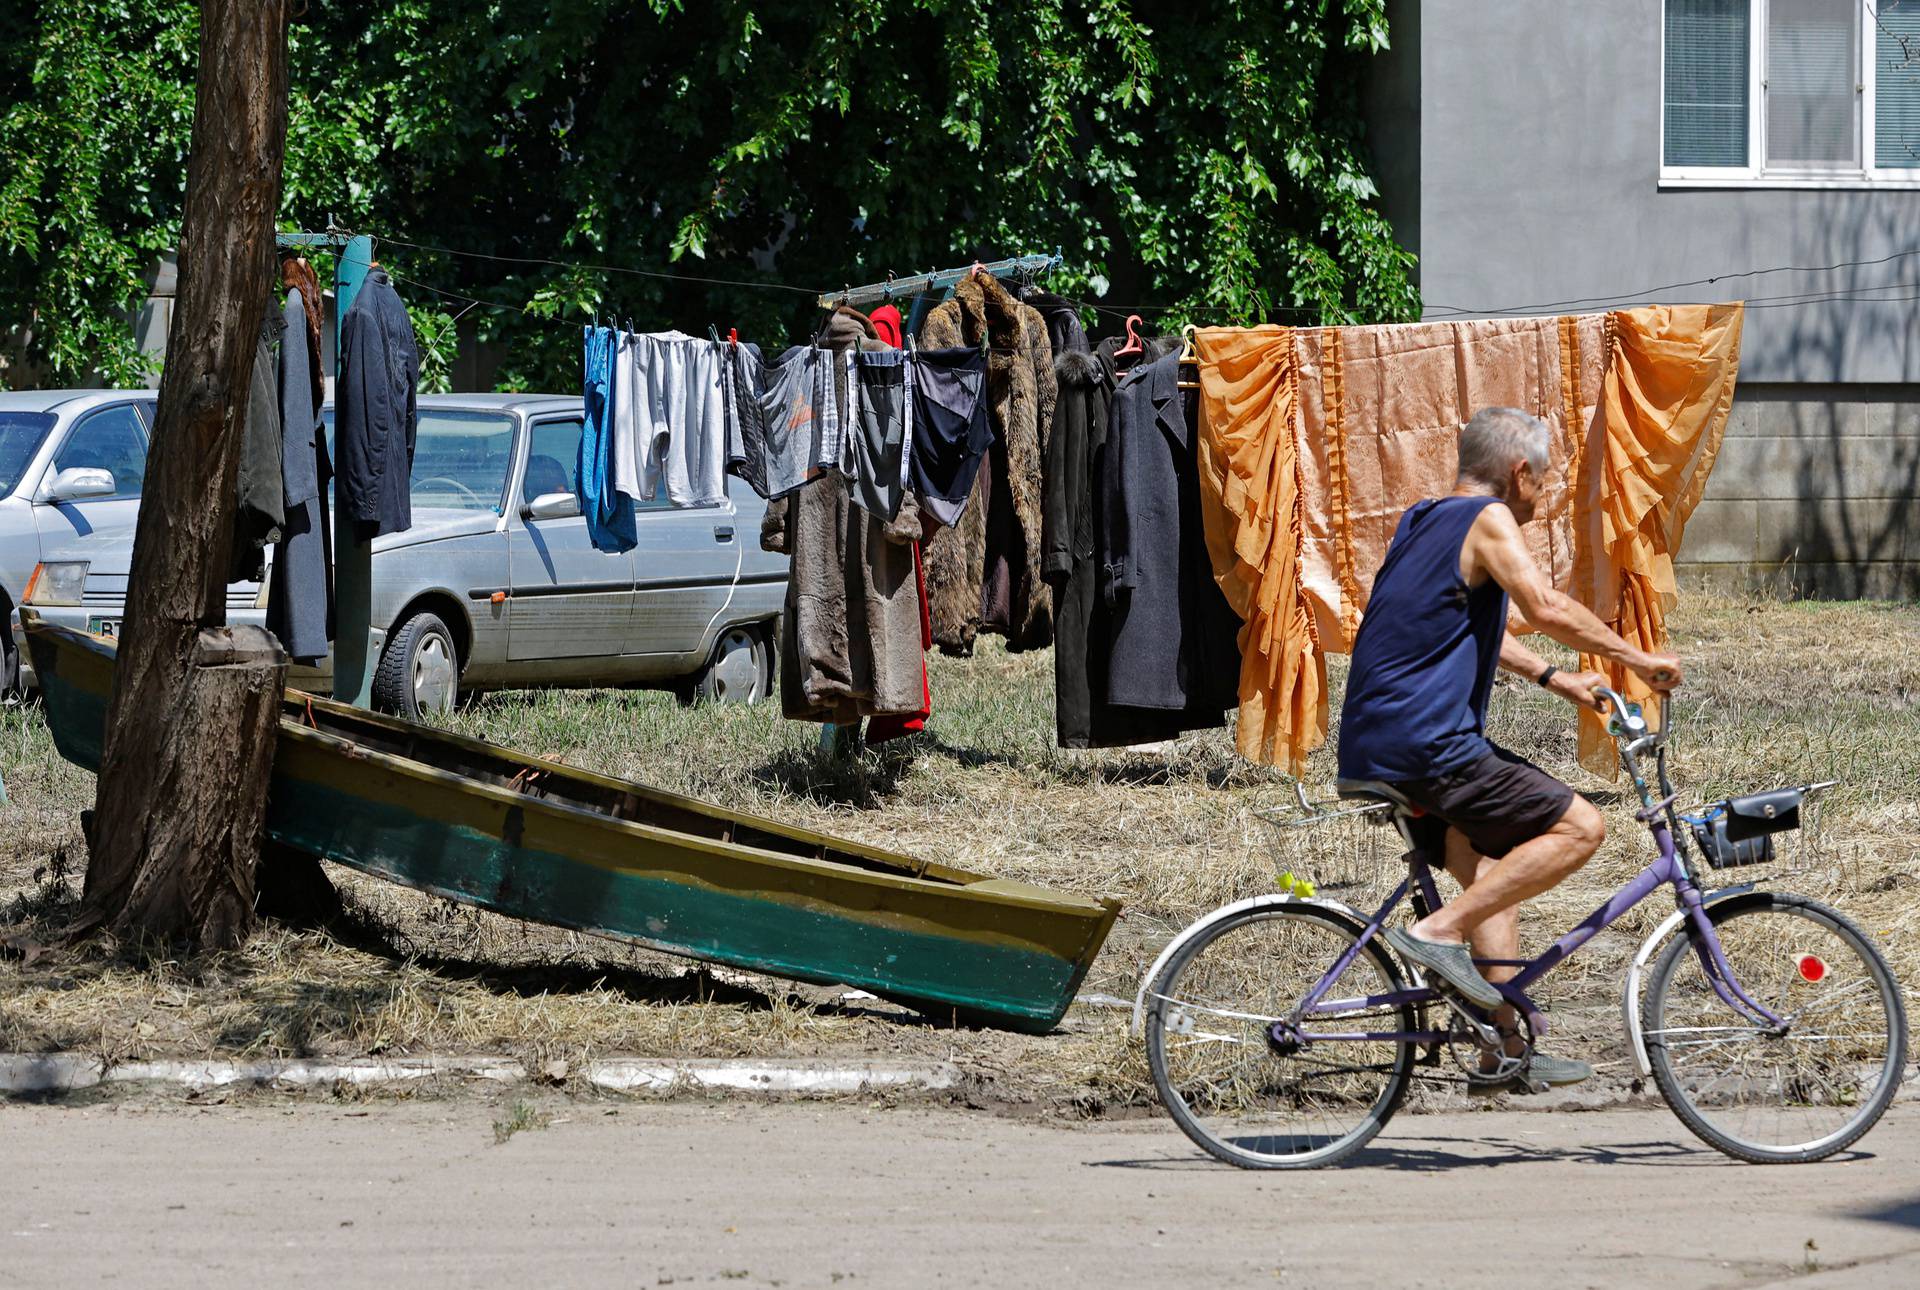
{"points": [[1669, 867]]}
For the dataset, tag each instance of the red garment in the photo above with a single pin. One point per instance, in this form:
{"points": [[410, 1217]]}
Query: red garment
{"points": [[886, 321]]}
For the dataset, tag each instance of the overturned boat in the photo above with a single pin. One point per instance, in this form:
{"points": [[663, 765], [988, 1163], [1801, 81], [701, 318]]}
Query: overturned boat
{"points": [[550, 843]]}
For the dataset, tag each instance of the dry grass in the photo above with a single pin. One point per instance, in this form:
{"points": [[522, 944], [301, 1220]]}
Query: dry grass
{"points": [[1779, 694]]}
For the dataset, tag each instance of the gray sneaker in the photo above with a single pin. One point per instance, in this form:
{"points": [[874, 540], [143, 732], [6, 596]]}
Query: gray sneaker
{"points": [[1554, 1072], [1451, 964]]}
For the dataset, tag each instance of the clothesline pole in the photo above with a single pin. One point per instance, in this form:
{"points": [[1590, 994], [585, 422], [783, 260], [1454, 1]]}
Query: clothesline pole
{"points": [[920, 284], [352, 554]]}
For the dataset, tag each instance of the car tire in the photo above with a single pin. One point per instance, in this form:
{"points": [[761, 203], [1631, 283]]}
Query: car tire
{"points": [[740, 670], [419, 673], [10, 687]]}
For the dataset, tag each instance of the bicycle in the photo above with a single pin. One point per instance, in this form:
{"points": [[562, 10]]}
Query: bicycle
{"points": [[1282, 1032]]}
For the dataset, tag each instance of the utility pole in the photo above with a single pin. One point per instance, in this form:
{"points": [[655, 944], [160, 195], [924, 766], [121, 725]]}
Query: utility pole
{"points": [[181, 800]]}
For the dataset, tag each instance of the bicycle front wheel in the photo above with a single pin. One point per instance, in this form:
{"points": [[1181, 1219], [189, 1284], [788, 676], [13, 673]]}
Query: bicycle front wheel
{"points": [[1251, 1101], [1767, 1094]]}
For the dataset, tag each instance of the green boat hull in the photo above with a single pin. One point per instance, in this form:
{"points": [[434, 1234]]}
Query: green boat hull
{"points": [[535, 840]]}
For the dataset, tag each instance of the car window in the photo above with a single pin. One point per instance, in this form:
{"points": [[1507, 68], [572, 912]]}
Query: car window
{"points": [[20, 436], [553, 458], [460, 459], [112, 439]]}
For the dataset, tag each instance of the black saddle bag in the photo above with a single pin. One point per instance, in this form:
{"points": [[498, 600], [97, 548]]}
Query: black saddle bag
{"points": [[1739, 831]]}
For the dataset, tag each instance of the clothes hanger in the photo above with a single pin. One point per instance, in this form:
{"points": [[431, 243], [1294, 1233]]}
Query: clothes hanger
{"points": [[1189, 353], [1134, 344]]}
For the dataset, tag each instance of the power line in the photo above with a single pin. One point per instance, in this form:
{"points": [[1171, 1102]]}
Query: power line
{"points": [[1642, 294]]}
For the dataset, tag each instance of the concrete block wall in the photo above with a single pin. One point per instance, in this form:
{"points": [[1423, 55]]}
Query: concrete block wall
{"points": [[1816, 492]]}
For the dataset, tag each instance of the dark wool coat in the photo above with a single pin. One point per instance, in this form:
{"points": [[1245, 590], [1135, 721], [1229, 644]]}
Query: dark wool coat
{"points": [[984, 573], [850, 637], [376, 413], [1175, 638], [1083, 630]]}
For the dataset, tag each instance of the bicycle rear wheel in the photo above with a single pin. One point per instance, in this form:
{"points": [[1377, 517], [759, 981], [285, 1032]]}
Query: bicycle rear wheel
{"points": [[1246, 1100], [1753, 1091]]}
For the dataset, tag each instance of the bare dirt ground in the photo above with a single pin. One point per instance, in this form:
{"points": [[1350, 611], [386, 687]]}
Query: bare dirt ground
{"points": [[815, 1195], [1777, 694]]}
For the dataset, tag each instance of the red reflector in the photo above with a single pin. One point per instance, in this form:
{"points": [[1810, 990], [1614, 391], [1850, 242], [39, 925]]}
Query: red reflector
{"points": [[1812, 967]]}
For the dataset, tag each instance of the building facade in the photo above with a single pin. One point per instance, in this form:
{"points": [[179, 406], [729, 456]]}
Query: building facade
{"points": [[1549, 156]]}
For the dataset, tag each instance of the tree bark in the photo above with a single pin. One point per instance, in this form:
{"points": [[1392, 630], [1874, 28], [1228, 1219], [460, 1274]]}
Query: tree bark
{"points": [[181, 799]]}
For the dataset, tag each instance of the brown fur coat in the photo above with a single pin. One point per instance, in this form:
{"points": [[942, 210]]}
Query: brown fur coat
{"points": [[984, 574]]}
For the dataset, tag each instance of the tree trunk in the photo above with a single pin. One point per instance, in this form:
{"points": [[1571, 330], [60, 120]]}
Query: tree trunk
{"points": [[181, 800]]}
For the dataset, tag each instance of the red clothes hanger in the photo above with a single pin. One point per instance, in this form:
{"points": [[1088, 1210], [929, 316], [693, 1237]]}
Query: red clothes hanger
{"points": [[1134, 344]]}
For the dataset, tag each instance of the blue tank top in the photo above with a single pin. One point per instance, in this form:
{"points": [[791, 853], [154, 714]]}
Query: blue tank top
{"points": [[1424, 660]]}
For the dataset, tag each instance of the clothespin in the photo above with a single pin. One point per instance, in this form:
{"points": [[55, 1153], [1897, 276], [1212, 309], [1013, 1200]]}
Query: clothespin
{"points": [[733, 335]]}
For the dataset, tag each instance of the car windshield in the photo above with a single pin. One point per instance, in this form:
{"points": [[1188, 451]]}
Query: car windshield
{"points": [[460, 459], [20, 436]]}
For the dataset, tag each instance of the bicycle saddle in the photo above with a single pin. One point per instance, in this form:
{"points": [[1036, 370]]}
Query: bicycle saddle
{"points": [[1376, 789]]}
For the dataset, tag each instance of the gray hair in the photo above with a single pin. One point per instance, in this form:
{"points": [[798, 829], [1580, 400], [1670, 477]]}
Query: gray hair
{"points": [[1495, 439]]}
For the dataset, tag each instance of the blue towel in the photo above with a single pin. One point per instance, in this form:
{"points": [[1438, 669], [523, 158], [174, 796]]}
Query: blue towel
{"points": [[608, 512]]}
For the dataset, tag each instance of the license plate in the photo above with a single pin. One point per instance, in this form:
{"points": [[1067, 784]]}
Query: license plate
{"points": [[103, 626]]}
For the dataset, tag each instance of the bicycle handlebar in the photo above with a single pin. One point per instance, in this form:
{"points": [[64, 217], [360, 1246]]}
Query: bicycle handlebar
{"points": [[1625, 721]]}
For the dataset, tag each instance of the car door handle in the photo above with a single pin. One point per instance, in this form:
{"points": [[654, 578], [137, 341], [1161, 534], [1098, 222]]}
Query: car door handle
{"points": [[723, 533]]}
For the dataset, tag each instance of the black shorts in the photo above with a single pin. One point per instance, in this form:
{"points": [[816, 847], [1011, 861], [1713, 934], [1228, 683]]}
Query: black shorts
{"points": [[1497, 801]]}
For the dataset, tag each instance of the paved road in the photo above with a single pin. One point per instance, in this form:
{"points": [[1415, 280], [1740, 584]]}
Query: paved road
{"points": [[417, 1193]]}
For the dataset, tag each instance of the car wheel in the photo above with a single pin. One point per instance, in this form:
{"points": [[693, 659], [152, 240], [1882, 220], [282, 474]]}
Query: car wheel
{"points": [[419, 674], [740, 670]]}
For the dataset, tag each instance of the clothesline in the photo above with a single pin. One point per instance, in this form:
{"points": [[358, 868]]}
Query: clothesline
{"points": [[1432, 312]]}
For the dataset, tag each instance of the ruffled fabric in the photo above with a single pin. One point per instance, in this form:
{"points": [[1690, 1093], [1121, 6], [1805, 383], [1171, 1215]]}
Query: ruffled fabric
{"points": [[1669, 387], [1253, 507], [1313, 441]]}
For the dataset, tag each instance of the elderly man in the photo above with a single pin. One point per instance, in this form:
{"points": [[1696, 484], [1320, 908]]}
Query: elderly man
{"points": [[1416, 705]]}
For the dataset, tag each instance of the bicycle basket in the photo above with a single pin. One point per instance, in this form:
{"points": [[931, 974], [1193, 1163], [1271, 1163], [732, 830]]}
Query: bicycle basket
{"points": [[1338, 847], [1739, 831]]}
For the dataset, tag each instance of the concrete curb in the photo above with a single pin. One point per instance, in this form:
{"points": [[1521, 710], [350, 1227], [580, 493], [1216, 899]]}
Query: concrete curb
{"points": [[35, 1073]]}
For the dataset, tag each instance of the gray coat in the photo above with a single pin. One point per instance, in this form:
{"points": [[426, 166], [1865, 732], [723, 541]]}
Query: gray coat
{"points": [[300, 601], [1175, 641], [260, 503]]}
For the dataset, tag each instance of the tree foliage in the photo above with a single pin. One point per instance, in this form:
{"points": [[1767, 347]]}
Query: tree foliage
{"points": [[1208, 158]]}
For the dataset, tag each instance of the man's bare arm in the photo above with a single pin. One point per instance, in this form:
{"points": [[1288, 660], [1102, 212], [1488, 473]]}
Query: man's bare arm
{"points": [[1495, 547], [1576, 688]]}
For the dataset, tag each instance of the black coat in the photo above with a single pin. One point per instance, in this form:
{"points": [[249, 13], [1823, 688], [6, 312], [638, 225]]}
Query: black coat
{"points": [[1083, 631], [378, 417], [1175, 643]]}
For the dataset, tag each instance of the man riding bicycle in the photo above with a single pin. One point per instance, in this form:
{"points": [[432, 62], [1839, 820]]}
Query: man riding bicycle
{"points": [[1414, 720]]}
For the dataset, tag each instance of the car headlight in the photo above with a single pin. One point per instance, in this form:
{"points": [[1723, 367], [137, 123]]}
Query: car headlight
{"points": [[57, 582]]}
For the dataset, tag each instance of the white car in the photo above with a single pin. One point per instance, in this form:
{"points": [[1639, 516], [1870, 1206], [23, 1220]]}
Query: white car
{"points": [[494, 587]]}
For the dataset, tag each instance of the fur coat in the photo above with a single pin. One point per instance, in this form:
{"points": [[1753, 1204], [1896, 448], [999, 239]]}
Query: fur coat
{"points": [[984, 573], [850, 636]]}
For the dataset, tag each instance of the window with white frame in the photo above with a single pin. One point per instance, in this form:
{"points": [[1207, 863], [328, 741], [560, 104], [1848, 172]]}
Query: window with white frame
{"points": [[1791, 92]]}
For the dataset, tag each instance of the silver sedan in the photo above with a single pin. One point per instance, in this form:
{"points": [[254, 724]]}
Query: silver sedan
{"points": [[496, 585]]}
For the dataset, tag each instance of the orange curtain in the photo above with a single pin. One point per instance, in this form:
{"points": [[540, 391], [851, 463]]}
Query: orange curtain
{"points": [[1312, 441], [1254, 512], [1669, 386]]}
